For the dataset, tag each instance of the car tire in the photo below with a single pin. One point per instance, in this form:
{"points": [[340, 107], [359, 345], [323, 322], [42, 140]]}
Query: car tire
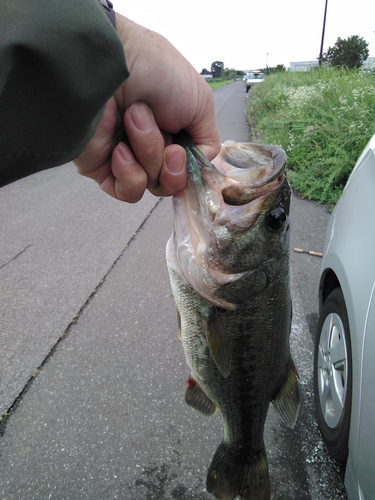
{"points": [[333, 375]]}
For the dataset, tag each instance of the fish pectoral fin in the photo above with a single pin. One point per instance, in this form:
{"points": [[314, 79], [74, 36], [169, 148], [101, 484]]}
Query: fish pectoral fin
{"points": [[179, 324], [287, 400], [232, 474], [218, 341], [198, 399]]}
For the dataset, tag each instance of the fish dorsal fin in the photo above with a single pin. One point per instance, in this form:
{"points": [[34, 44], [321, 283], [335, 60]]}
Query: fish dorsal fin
{"points": [[218, 341], [287, 399]]}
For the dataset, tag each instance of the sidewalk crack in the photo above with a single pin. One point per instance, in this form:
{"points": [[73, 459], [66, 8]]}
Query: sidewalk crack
{"points": [[15, 257]]}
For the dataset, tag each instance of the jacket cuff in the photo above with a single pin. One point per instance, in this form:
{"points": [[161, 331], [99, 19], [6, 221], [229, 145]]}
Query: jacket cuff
{"points": [[108, 9]]}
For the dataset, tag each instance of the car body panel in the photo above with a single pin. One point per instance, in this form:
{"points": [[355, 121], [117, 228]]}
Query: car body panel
{"points": [[349, 254], [365, 456]]}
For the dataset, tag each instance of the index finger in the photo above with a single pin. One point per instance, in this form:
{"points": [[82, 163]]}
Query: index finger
{"points": [[146, 140], [203, 128]]}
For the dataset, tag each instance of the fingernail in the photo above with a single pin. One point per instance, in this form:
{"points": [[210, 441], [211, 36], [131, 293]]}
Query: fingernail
{"points": [[175, 161], [142, 116], [126, 153]]}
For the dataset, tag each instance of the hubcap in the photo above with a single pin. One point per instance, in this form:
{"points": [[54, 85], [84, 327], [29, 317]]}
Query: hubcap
{"points": [[332, 370]]}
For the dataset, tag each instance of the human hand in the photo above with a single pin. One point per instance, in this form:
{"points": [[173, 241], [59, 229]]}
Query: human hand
{"points": [[163, 93], [116, 168]]}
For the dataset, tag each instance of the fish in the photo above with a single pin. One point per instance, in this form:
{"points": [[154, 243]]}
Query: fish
{"points": [[229, 266]]}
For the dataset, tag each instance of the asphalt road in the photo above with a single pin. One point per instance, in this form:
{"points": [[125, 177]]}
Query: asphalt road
{"points": [[89, 341]]}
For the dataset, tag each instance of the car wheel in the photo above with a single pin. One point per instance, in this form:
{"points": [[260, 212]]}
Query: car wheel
{"points": [[333, 375]]}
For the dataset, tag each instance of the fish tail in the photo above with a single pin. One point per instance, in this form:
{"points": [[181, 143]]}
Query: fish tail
{"points": [[287, 400], [232, 474]]}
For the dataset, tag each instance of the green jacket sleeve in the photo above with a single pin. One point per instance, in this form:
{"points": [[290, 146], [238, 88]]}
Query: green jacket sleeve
{"points": [[60, 62]]}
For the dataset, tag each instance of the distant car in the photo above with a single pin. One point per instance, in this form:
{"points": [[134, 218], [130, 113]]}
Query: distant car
{"points": [[253, 78], [344, 361]]}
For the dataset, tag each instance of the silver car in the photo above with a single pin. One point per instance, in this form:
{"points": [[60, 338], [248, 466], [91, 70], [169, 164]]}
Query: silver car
{"points": [[253, 78], [344, 363]]}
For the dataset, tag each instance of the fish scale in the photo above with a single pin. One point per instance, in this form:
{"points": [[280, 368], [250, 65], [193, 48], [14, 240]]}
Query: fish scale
{"points": [[228, 260]]}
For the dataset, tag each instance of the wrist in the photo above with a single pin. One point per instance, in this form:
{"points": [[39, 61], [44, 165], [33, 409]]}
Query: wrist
{"points": [[128, 31], [129, 34]]}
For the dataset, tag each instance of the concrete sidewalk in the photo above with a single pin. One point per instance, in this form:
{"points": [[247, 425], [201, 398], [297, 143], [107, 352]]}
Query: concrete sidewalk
{"points": [[60, 235]]}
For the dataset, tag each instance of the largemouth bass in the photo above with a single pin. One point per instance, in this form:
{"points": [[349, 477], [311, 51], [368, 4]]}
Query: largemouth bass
{"points": [[228, 260]]}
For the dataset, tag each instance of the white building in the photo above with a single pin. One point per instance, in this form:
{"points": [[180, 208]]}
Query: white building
{"points": [[306, 65], [302, 65], [369, 63]]}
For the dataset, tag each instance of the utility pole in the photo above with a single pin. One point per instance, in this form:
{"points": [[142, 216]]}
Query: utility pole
{"points": [[324, 28]]}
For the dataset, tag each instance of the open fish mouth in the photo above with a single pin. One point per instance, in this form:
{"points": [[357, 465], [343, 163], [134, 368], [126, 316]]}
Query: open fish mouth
{"points": [[256, 169], [222, 201]]}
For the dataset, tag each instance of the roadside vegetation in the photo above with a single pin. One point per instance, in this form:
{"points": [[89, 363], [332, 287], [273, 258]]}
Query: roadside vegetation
{"points": [[215, 83], [228, 75], [322, 118]]}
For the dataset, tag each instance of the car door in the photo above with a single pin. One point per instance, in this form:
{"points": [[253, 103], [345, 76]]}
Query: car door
{"points": [[366, 442]]}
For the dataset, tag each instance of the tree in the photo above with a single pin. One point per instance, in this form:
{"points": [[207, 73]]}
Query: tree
{"points": [[229, 74], [280, 68], [351, 52], [217, 68]]}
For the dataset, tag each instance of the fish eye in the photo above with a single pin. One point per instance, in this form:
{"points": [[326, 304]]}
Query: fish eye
{"points": [[275, 220]]}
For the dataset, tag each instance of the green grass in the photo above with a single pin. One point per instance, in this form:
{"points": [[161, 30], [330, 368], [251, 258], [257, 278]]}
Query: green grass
{"points": [[322, 118], [215, 83]]}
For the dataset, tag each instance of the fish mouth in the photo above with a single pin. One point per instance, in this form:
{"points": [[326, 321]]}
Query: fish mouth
{"points": [[254, 167], [222, 200]]}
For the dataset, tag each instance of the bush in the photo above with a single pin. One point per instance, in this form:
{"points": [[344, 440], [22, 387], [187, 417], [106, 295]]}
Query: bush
{"points": [[322, 118]]}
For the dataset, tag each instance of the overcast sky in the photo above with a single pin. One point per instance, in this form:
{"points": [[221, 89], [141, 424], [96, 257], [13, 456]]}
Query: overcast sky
{"points": [[249, 34]]}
